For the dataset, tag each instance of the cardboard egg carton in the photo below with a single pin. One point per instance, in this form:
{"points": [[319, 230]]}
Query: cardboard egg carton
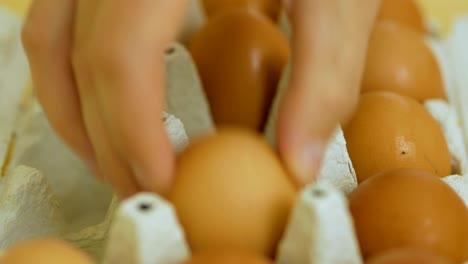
{"points": [[45, 190]]}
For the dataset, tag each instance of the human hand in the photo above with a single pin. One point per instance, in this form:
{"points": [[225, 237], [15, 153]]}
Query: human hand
{"points": [[329, 45], [87, 58], [98, 71]]}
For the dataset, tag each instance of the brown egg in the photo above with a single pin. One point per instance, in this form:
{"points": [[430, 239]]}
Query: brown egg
{"points": [[231, 191], [240, 56], [408, 256], [390, 131], [227, 257], [466, 250], [405, 12], [45, 251], [270, 8], [399, 60], [409, 208]]}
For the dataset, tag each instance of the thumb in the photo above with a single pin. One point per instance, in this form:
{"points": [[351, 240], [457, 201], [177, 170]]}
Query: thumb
{"points": [[329, 42]]}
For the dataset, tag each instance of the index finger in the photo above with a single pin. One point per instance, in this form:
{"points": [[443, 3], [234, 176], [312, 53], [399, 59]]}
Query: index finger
{"points": [[329, 44], [131, 37]]}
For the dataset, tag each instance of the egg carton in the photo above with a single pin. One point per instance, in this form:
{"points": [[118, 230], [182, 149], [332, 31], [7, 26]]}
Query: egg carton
{"points": [[45, 190]]}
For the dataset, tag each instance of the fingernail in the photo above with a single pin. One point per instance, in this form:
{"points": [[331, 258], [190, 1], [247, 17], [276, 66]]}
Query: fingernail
{"points": [[140, 176], [305, 161]]}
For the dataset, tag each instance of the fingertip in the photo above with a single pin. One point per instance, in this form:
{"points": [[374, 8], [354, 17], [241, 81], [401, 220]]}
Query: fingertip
{"points": [[301, 152], [304, 127], [154, 178], [152, 160], [126, 192]]}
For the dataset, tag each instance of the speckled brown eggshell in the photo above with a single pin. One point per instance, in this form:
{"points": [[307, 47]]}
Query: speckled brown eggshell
{"points": [[399, 60], [240, 56], [390, 131], [409, 208]]}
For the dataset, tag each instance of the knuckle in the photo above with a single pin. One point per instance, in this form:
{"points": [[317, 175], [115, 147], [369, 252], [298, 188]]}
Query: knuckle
{"points": [[31, 37], [37, 38]]}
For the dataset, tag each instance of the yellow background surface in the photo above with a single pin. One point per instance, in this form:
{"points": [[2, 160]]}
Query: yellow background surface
{"points": [[442, 10], [19, 6]]}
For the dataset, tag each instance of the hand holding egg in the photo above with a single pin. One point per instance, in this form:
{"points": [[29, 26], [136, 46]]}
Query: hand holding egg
{"points": [[101, 81], [240, 55]]}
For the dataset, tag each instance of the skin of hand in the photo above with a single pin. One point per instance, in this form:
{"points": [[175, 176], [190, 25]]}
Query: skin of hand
{"points": [[99, 74], [329, 46], [98, 71]]}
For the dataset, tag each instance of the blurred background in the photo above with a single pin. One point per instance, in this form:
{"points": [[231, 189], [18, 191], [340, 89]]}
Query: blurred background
{"points": [[441, 12]]}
